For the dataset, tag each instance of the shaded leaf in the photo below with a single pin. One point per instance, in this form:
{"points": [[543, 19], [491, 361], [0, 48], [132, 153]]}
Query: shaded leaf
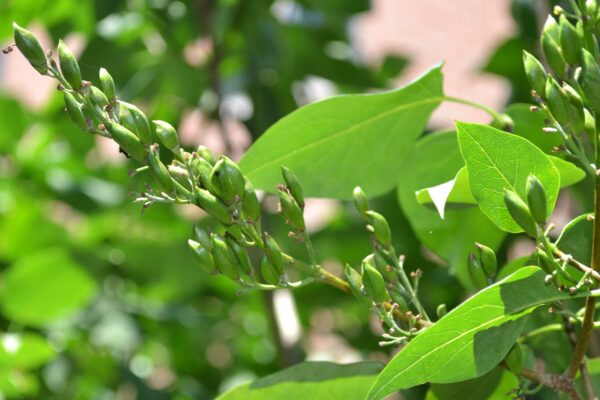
{"points": [[576, 239], [496, 384]]}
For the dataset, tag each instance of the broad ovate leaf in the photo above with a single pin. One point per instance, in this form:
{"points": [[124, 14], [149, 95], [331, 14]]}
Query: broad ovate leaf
{"points": [[339, 143]]}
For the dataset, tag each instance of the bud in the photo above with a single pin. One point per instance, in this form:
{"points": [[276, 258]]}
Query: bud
{"points": [[137, 121], [552, 52], [514, 359], [441, 310], [374, 284], [202, 170], [536, 74], [167, 135], [235, 232], [570, 42], [268, 271], [108, 85], [574, 108], [504, 122], [74, 109], [128, 141], [487, 257], [291, 210], [250, 203], [590, 81], [225, 260], [355, 282], [520, 212], [536, 199], [360, 200], [227, 180], [382, 266], [273, 252], [31, 48], [544, 262], [213, 206], [293, 184], [381, 229], [478, 276], [206, 154], [557, 101], [159, 171], [202, 254], [178, 173], [241, 256], [399, 300], [202, 237], [69, 66], [590, 123], [98, 97]]}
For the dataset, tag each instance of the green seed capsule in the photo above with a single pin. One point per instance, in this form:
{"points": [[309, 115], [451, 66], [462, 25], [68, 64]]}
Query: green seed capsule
{"points": [[590, 124], [273, 252], [590, 81], [137, 121], [241, 256], [227, 180], [551, 49], [167, 135], [250, 203], [128, 141], [374, 284], [206, 154], [69, 66], [536, 199], [293, 184], [441, 310], [235, 232], [487, 257], [520, 212], [570, 42], [98, 97], [108, 85], [478, 276], [202, 237], [213, 206], [557, 101], [159, 171], [383, 267], [224, 257], [202, 170], [355, 282], [179, 174], [268, 271], [31, 48], [398, 299], [514, 359], [360, 200], [381, 229], [205, 259], [536, 74], [74, 109], [126, 119], [574, 108], [291, 211], [544, 262]]}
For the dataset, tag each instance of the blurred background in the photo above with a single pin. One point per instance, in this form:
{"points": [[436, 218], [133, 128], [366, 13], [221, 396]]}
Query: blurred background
{"points": [[100, 301]]}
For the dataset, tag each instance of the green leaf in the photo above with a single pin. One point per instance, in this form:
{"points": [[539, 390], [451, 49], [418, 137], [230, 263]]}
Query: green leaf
{"points": [[570, 173], [497, 160], [496, 384], [472, 339], [311, 380], [45, 286], [576, 239], [24, 351], [345, 141], [530, 125]]}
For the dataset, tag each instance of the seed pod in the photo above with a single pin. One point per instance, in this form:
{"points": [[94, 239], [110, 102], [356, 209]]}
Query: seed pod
{"points": [[291, 210], [487, 257], [202, 170], [383, 267], [590, 81], [31, 48], [74, 109], [557, 101], [98, 97], [206, 154], [476, 272], [536, 74], [224, 257], [520, 212], [514, 359], [551, 49], [544, 262], [241, 256], [202, 237], [273, 252], [213, 206], [167, 135], [235, 232], [293, 184], [574, 108], [398, 299], [136, 120], [570, 42], [441, 310], [128, 141], [205, 259], [250, 203], [590, 124], [69, 66], [360, 200], [159, 171], [381, 229], [374, 284], [536, 199], [178, 173], [108, 85], [227, 180], [268, 271]]}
